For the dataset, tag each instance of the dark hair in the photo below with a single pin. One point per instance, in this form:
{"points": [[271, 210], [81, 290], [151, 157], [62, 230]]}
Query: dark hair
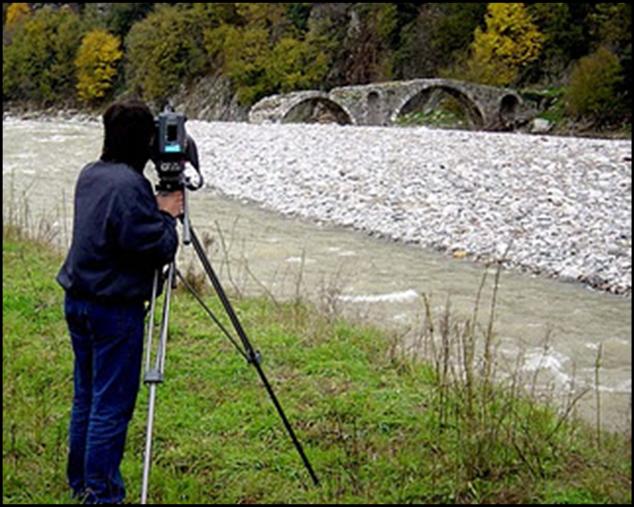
{"points": [[129, 129]]}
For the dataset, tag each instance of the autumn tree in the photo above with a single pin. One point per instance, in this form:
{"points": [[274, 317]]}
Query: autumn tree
{"points": [[96, 64], [16, 13], [38, 63], [509, 42]]}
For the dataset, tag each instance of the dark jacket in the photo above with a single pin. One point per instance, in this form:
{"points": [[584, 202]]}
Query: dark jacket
{"points": [[120, 236]]}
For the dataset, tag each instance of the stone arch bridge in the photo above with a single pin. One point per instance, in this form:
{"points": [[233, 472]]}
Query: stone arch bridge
{"points": [[486, 107]]}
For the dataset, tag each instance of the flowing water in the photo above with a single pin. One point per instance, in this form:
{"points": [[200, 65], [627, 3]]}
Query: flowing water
{"points": [[366, 278]]}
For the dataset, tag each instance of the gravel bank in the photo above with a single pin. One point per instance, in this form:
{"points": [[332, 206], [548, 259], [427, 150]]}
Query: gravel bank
{"points": [[563, 204]]}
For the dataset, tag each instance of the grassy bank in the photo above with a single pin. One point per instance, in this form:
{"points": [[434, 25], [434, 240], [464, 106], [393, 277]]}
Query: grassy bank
{"points": [[377, 426]]}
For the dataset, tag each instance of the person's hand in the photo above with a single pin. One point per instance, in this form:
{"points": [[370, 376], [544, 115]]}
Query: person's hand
{"points": [[171, 203]]}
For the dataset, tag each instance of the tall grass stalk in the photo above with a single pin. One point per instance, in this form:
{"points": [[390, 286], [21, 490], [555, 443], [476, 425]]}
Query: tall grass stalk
{"points": [[597, 388]]}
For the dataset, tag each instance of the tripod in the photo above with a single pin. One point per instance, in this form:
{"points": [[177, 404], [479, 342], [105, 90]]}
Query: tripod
{"points": [[154, 374]]}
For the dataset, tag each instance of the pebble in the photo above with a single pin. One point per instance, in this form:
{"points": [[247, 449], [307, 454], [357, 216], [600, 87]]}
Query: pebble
{"points": [[555, 199]]}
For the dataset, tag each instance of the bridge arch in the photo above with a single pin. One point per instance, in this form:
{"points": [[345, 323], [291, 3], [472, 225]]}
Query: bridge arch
{"points": [[317, 108], [509, 105], [420, 97]]}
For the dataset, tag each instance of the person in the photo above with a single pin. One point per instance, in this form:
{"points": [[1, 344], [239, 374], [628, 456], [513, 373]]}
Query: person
{"points": [[122, 233]]}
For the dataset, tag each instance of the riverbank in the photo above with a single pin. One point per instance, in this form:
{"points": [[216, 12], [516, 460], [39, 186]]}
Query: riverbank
{"points": [[377, 425], [554, 206], [559, 207]]}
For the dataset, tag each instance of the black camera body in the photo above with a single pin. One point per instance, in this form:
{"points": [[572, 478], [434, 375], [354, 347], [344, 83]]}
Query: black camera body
{"points": [[173, 147]]}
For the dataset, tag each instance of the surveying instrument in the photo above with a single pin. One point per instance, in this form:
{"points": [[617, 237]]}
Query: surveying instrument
{"points": [[172, 149]]}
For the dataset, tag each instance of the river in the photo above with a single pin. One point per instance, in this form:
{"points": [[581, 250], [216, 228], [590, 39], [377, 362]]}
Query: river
{"points": [[366, 278]]}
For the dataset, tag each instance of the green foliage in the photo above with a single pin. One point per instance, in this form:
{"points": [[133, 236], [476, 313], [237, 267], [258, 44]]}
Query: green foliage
{"points": [[122, 16], [562, 39], [117, 18], [370, 57], [593, 83], [266, 16], [437, 38], [38, 63], [298, 14], [456, 25], [264, 54], [294, 65], [162, 53], [96, 64], [611, 25], [244, 53]]}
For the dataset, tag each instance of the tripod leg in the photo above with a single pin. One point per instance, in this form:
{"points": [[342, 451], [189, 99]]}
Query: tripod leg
{"points": [[148, 445], [154, 376], [252, 355]]}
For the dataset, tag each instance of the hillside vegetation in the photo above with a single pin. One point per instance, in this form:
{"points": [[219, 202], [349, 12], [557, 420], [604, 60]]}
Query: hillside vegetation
{"points": [[572, 60]]}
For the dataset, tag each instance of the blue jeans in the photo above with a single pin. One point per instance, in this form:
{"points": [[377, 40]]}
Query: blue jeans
{"points": [[108, 344]]}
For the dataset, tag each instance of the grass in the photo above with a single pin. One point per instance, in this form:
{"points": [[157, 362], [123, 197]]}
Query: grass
{"points": [[445, 112], [378, 425]]}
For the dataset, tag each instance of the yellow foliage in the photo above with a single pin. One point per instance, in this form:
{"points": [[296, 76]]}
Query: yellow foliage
{"points": [[511, 41], [96, 64], [16, 12]]}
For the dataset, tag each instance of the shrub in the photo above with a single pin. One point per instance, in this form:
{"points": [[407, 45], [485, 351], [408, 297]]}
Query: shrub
{"points": [[593, 84], [96, 64]]}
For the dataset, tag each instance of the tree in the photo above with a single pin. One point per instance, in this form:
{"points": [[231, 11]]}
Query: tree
{"points": [[437, 39], [369, 56], [295, 65], [38, 63], [96, 64], [163, 53], [501, 51], [563, 38], [263, 51], [611, 25], [244, 55], [593, 84], [117, 18]]}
